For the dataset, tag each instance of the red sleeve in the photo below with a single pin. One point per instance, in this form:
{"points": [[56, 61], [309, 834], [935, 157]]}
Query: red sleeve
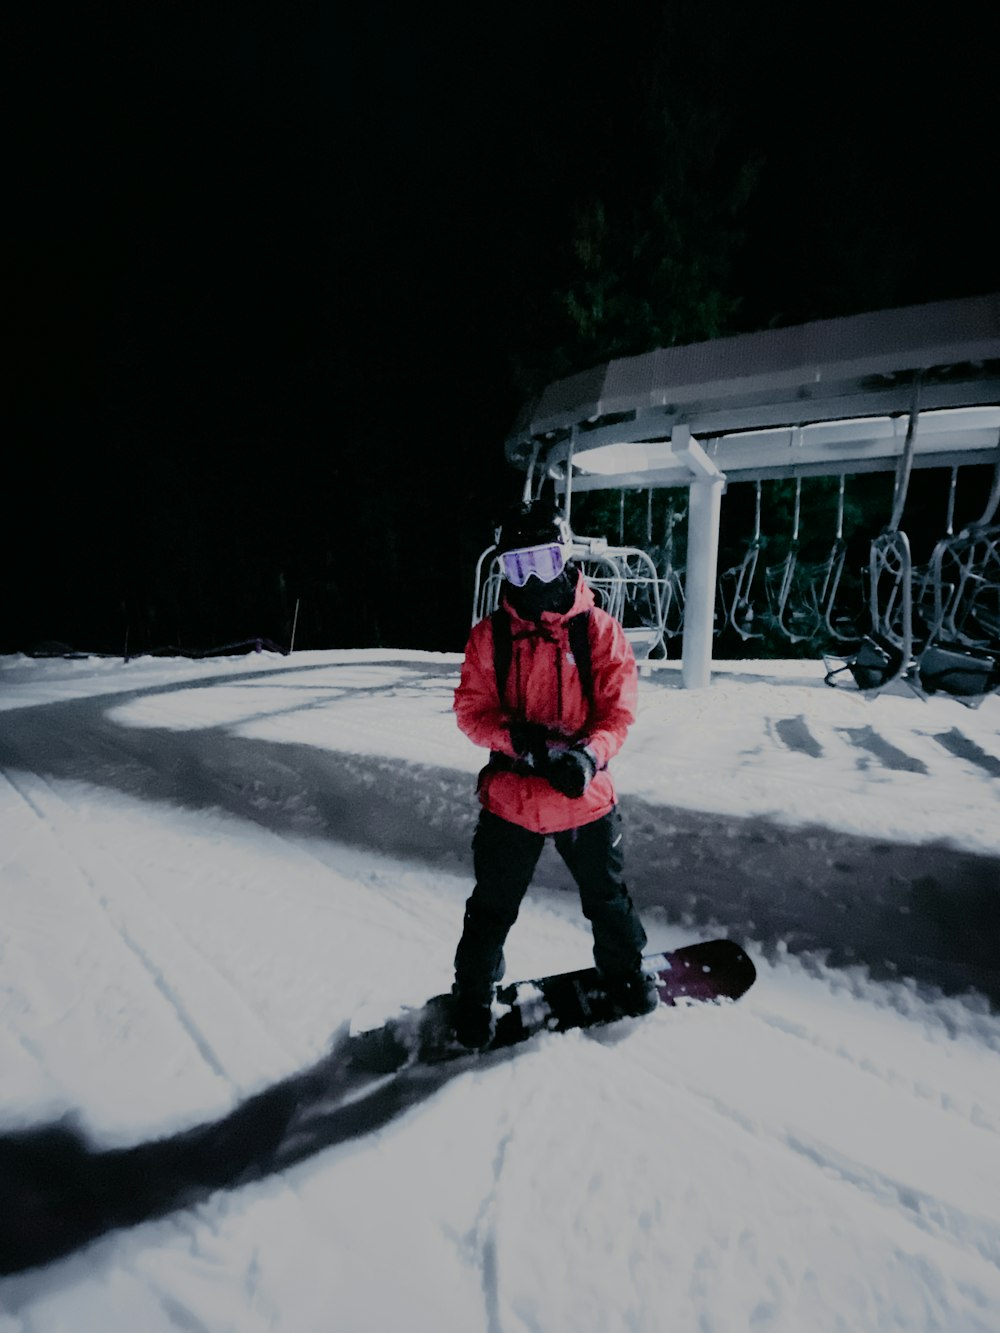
{"points": [[478, 709], [616, 687]]}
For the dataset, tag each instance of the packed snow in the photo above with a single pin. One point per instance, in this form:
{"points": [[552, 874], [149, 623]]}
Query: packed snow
{"points": [[209, 869]]}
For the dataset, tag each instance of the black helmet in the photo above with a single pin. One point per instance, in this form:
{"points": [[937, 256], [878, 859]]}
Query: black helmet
{"points": [[531, 524]]}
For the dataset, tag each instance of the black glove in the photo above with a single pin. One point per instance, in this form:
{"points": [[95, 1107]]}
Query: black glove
{"points": [[530, 741], [570, 771]]}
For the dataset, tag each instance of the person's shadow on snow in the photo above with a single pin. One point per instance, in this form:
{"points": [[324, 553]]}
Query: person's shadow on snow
{"points": [[58, 1192]]}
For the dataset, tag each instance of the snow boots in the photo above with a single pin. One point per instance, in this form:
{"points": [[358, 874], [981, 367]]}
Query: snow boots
{"points": [[474, 1023], [473, 1020], [634, 993]]}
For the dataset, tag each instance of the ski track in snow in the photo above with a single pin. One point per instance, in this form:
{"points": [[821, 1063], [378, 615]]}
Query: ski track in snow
{"points": [[127, 920], [195, 905]]}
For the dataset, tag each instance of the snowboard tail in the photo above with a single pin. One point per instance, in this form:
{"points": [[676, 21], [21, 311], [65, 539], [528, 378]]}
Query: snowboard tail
{"points": [[712, 971]]}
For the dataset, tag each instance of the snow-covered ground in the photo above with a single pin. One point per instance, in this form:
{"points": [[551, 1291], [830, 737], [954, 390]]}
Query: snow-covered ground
{"points": [[206, 869]]}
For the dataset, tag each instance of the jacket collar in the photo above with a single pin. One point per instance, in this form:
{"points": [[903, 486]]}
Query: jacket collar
{"points": [[583, 600]]}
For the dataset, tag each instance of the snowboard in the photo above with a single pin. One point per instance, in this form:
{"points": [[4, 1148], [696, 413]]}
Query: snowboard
{"points": [[713, 971]]}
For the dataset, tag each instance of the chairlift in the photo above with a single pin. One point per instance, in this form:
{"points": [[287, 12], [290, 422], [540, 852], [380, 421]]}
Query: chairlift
{"points": [[672, 582], [885, 654], [624, 581], [945, 657], [648, 595], [933, 584], [791, 587], [973, 609], [962, 654], [838, 624], [736, 586]]}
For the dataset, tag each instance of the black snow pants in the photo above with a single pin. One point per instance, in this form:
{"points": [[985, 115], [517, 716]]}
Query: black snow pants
{"points": [[504, 859]]}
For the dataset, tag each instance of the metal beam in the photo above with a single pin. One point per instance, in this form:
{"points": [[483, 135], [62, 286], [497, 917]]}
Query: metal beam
{"points": [[709, 420], [667, 478], [704, 507]]}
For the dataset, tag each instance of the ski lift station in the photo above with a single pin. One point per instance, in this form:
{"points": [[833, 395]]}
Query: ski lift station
{"points": [[893, 390]]}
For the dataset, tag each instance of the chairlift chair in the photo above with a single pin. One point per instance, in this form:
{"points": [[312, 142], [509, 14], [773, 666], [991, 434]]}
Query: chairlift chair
{"points": [[976, 616], [625, 582], [736, 587], [836, 623], [672, 594], [885, 654], [791, 587], [673, 603], [962, 654], [934, 584], [973, 611], [840, 624]]}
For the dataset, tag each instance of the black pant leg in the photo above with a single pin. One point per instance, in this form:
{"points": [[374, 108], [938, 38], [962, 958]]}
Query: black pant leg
{"points": [[504, 859], [595, 857]]}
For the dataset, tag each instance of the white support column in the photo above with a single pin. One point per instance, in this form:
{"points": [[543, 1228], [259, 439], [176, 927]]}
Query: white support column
{"points": [[704, 508]]}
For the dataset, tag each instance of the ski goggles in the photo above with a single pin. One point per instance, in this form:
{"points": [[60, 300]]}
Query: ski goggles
{"points": [[543, 562]]}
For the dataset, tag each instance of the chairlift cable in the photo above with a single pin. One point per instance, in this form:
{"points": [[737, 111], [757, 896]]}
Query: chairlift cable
{"points": [[840, 509], [950, 526], [798, 505]]}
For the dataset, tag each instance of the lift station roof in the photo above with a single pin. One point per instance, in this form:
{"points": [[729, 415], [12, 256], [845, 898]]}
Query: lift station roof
{"points": [[833, 396]]}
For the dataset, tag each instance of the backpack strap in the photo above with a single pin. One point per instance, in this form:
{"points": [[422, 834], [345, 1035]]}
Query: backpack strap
{"points": [[579, 645], [503, 648]]}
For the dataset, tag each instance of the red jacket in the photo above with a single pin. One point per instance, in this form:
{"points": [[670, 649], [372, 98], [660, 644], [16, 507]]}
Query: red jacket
{"points": [[543, 686]]}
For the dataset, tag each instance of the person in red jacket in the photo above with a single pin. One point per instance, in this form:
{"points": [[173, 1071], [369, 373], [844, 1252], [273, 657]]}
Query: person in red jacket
{"points": [[550, 739]]}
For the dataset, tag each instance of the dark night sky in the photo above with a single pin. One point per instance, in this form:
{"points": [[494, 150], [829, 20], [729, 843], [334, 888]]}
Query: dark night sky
{"points": [[268, 265]]}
